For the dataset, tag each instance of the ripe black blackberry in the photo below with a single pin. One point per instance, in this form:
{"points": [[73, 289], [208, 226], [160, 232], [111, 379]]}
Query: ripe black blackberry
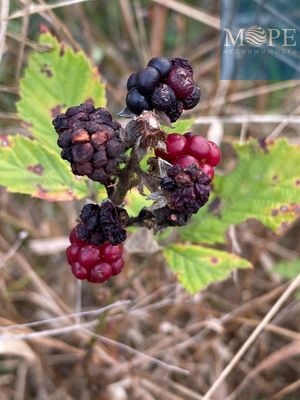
{"points": [[91, 140], [166, 85]]}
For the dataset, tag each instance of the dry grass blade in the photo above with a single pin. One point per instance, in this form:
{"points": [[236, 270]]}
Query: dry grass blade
{"points": [[248, 93], [4, 12], [40, 8], [278, 130], [286, 391], [191, 12], [273, 311], [288, 351], [24, 32], [143, 356]]}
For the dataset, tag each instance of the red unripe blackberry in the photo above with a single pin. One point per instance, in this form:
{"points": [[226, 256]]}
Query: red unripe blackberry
{"points": [[97, 262], [198, 147], [91, 262], [186, 161], [214, 155]]}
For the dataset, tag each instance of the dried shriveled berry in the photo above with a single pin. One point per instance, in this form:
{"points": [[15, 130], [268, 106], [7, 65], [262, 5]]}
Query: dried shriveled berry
{"points": [[103, 223], [91, 141], [163, 98], [191, 100]]}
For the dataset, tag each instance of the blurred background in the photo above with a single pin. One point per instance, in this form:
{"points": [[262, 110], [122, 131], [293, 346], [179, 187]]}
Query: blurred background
{"points": [[141, 335]]}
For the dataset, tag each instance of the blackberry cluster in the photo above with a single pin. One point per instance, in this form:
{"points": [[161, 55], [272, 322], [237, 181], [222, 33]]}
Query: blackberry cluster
{"points": [[91, 262], [102, 223], [186, 190], [166, 85], [91, 141], [188, 149]]}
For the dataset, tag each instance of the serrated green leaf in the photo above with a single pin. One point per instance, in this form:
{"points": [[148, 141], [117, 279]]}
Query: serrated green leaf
{"points": [[180, 126], [198, 266], [265, 185], [54, 80], [28, 167]]}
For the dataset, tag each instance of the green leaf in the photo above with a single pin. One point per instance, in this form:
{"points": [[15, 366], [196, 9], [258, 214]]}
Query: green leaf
{"points": [[288, 269], [28, 167], [54, 80], [198, 266], [134, 202], [265, 185], [180, 126]]}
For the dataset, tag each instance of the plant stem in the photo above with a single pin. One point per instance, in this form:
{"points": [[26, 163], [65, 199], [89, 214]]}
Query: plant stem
{"points": [[128, 178]]}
